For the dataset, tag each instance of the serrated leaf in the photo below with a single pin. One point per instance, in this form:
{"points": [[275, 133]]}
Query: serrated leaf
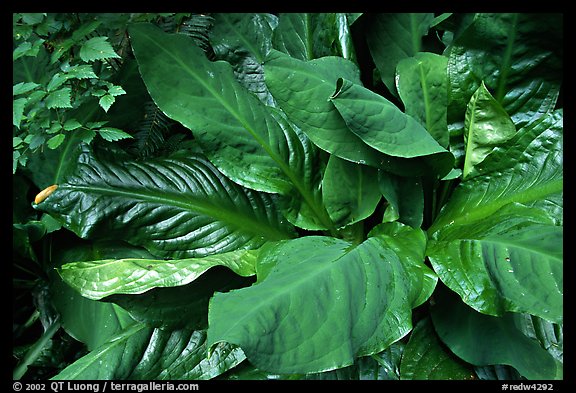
{"points": [[71, 124], [322, 303], [23, 87], [180, 207], [55, 141], [59, 98], [18, 111], [97, 48], [112, 134], [106, 101]]}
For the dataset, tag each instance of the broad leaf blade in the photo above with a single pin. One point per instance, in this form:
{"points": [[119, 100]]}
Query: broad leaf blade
{"points": [[509, 53], [305, 101], [483, 340], [350, 191], [510, 261], [243, 40], [98, 279], [384, 127], [90, 322], [395, 36], [423, 87], [424, 357], [248, 32], [528, 169], [486, 126], [307, 36], [322, 304], [178, 208], [143, 353], [242, 137]]}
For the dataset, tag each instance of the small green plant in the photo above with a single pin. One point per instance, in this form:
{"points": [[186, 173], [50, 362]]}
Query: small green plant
{"points": [[303, 196]]}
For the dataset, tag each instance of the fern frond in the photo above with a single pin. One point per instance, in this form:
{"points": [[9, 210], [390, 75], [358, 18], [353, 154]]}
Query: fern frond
{"points": [[150, 133]]}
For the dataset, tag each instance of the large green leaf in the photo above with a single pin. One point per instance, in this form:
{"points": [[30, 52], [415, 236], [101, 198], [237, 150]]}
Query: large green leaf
{"points": [[423, 87], [98, 279], [528, 169], [307, 36], [509, 261], [486, 126], [405, 198], [384, 127], [174, 207], [180, 306], [89, 321], [484, 340], [350, 191], [143, 353], [380, 124], [243, 40], [250, 143], [305, 101], [323, 302], [250, 32], [509, 53], [424, 357], [392, 37]]}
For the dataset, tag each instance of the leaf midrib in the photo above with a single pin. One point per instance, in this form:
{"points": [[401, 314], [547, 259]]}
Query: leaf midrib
{"points": [[294, 179], [187, 202]]}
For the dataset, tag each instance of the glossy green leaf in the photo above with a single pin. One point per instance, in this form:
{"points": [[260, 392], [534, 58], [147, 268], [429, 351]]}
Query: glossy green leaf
{"points": [[350, 191], [89, 321], [422, 84], [305, 101], [405, 198], [509, 53], [243, 40], [143, 353], [251, 32], [322, 303], [392, 37], [486, 126], [510, 261], [180, 207], [97, 48], [424, 357], [307, 36], [181, 306], [482, 340], [247, 141], [528, 169], [98, 279], [384, 127], [380, 123]]}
